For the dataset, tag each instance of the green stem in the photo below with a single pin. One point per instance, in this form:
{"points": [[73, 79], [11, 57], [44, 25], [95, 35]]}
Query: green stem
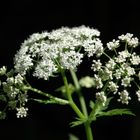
{"points": [[71, 102], [78, 90], [59, 100], [88, 130]]}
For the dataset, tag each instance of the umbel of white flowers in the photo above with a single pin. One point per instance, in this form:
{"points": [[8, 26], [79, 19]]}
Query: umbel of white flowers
{"points": [[48, 52], [45, 54]]}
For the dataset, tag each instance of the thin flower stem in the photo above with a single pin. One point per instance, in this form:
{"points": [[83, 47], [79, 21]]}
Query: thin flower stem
{"points": [[71, 102], [107, 55], [78, 90], [59, 100], [83, 105]]}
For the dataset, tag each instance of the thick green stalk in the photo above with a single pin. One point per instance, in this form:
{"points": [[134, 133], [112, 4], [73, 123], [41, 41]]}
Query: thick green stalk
{"points": [[83, 105], [88, 131]]}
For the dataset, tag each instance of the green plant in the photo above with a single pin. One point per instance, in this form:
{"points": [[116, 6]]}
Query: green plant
{"points": [[114, 71]]}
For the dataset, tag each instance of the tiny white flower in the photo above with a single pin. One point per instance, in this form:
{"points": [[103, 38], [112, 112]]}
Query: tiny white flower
{"points": [[135, 59], [126, 37], [126, 81], [92, 47], [71, 59], [124, 97], [98, 82], [118, 73], [86, 31], [101, 97], [113, 45], [96, 66], [122, 56], [45, 69], [10, 80], [21, 112], [113, 87], [132, 42], [110, 64], [130, 71], [18, 79]]}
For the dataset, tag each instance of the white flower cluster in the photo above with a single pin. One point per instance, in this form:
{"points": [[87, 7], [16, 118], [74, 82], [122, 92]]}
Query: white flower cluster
{"points": [[128, 38], [21, 112], [113, 45], [124, 97], [15, 95], [46, 53], [101, 97], [116, 75], [12, 84]]}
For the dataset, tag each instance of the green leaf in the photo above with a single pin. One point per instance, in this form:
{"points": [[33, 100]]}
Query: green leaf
{"points": [[98, 108], [77, 122], [73, 137], [117, 112]]}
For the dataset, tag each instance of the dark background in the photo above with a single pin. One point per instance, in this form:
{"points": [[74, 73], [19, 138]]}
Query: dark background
{"points": [[19, 19]]}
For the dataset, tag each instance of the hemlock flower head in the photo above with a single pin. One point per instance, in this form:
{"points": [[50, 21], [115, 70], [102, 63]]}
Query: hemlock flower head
{"points": [[46, 53]]}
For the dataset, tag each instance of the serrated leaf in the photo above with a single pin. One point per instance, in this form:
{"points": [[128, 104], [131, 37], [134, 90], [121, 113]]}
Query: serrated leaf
{"points": [[98, 108], [117, 112], [73, 137], [77, 122]]}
